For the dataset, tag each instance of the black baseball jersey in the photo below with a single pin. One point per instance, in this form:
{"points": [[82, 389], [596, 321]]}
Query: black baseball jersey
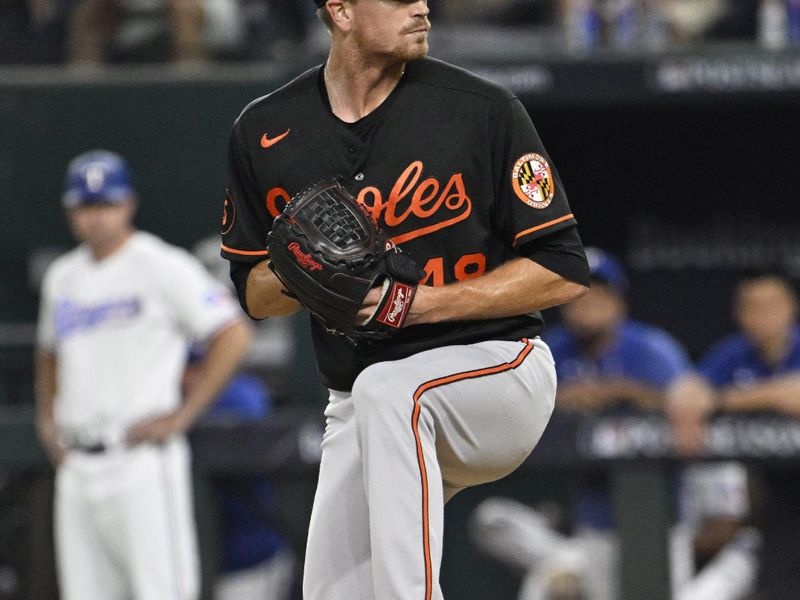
{"points": [[450, 165]]}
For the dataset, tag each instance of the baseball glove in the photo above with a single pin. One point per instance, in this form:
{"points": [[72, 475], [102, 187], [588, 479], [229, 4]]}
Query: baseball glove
{"points": [[328, 253]]}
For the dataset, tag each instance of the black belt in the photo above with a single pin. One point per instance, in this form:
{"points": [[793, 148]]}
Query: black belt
{"points": [[97, 448]]}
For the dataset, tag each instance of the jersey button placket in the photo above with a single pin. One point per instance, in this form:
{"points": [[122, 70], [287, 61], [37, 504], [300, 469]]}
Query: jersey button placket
{"points": [[359, 154]]}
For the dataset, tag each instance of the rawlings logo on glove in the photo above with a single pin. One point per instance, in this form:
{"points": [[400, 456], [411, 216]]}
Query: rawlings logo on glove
{"points": [[304, 260], [329, 253]]}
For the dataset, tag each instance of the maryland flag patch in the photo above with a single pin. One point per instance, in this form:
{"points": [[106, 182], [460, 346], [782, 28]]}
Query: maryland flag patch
{"points": [[532, 180]]}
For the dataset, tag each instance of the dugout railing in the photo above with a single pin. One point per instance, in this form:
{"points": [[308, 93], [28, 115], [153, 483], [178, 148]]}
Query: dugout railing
{"points": [[634, 450]]}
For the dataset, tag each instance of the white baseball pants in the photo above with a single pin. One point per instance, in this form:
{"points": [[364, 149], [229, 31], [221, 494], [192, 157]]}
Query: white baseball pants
{"points": [[124, 524], [410, 435]]}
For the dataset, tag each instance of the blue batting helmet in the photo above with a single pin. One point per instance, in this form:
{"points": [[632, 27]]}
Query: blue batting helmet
{"points": [[605, 268], [97, 177]]}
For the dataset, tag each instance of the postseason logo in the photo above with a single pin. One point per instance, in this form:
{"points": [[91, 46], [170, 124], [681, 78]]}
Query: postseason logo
{"points": [[532, 180]]}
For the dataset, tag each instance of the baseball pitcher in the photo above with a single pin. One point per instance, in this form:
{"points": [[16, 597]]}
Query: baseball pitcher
{"points": [[412, 209]]}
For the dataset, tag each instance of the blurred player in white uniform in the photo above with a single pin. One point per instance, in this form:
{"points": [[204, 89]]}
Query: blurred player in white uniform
{"points": [[714, 554], [555, 566], [117, 316]]}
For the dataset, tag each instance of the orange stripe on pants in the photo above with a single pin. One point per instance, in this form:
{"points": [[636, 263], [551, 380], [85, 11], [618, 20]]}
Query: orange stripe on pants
{"points": [[423, 472]]}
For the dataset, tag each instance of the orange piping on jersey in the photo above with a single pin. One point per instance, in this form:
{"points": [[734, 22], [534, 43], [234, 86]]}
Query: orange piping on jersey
{"points": [[542, 226], [245, 252], [429, 385]]}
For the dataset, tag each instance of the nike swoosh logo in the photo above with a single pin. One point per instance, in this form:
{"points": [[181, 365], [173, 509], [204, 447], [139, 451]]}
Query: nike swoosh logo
{"points": [[266, 142]]}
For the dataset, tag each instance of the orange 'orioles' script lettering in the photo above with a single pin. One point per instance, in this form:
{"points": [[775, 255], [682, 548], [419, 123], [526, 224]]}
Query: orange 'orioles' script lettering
{"points": [[423, 199], [437, 206], [273, 195], [426, 199]]}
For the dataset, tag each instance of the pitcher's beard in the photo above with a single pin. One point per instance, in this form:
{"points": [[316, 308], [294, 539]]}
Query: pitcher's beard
{"points": [[415, 51], [409, 52]]}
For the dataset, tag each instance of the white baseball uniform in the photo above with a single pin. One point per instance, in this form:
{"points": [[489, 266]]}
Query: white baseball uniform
{"points": [[120, 329], [714, 491], [521, 537]]}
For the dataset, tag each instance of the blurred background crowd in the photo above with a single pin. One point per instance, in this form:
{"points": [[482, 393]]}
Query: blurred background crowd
{"points": [[196, 32]]}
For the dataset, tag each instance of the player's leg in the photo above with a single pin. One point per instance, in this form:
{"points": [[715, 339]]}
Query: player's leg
{"points": [[488, 422], [337, 562], [514, 533], [681, 555], [85, 570], [522, 538], [444, 418], [732, 573], [601, 546], [156, 522], [402, 481]]}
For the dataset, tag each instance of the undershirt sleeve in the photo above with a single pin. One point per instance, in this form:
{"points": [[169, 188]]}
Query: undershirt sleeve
{"points": [[46, 331], [562, 253], [239, 273]]}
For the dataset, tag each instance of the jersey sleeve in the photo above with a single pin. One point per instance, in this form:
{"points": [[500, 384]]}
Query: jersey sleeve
{"points": [[46, 327], [245, 221], [718, 364], [200, 303], [561, 252], [530, 198], [665, 361]]}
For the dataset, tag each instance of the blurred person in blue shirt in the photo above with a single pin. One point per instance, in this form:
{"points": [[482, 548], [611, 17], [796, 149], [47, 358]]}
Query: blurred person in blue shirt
{"points": [[754, 371], [759, 367], [606, 361], [256, 561]]}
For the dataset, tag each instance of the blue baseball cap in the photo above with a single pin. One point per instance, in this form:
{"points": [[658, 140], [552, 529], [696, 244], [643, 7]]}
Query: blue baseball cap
{"points": [[606, 269], [97, 177]]}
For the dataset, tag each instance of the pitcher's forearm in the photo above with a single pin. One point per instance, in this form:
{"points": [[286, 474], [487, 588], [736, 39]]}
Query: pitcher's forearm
{"points": [[515, 288], [264, 294]]}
